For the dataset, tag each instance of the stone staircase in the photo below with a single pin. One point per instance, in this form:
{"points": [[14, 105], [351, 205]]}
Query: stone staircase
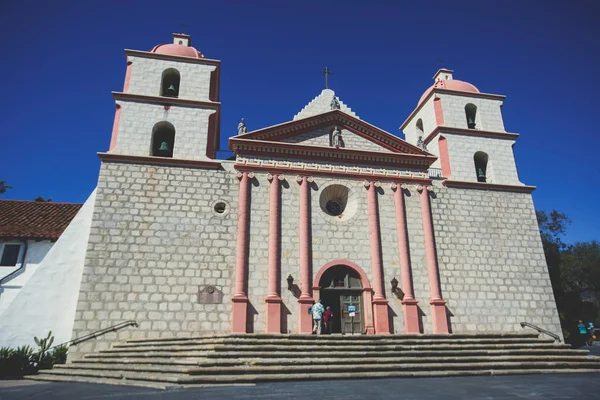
{"points": [[233, 359]]}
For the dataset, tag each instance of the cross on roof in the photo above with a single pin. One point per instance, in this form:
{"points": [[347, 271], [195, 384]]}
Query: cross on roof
{"points": [[326, 72]]}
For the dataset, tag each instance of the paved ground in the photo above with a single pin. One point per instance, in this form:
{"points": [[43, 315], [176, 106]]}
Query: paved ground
{"points": [[564, 386]]}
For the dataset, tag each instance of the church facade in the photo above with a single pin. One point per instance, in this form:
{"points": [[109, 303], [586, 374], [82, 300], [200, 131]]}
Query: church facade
{"points": [[431, 234]]}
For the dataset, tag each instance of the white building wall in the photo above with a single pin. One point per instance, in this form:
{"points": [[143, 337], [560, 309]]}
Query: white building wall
{"points": [[320, 137], [322, 104], [36, 251], [501, 167], [146, 77], [488, 117], [427, 114], [137, 120], [48, 301]]}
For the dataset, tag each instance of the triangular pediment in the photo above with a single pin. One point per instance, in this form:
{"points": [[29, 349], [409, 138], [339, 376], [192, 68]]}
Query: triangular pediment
{"points": [[318, 130]]}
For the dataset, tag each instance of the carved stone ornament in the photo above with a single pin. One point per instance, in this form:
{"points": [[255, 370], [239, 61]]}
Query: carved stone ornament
{"points": [[377, 184], [269, 177], [209, 294], [366, 184], [419, 188], [281, 177], [394, 186], [239, 174], [298, 179], [251, 175], [404, 186], [430, 188], [310, 179]]}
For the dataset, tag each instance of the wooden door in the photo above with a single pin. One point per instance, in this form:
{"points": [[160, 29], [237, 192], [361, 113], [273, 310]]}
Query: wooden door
{"points": [[348, 323]]}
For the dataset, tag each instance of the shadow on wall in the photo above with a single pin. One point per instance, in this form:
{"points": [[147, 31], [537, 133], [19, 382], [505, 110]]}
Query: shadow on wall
{"points": [[391, 315], [449, 316], [250, 318], [285, 314]]}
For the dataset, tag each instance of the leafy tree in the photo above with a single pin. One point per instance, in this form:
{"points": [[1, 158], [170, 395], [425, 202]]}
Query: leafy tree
{"points": [[580, 268], [4, 187]]}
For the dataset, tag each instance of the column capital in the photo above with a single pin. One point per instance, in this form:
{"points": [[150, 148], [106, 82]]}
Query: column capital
{"points": [[394, 186], [300, 178], [240, 174], [419, 188]]}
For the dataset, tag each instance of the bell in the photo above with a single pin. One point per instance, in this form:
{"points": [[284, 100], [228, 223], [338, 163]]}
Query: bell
{"points": [[470, 123], [480, 175], [164, 147], [171, 91]]}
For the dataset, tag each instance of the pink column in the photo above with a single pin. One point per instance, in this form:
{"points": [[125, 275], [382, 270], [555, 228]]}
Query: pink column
{"points": [[305, 299], [438, 305], [240, 298], [380, 303], [273, 299], [411, 311]]}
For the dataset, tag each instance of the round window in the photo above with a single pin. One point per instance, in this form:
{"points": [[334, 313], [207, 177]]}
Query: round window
{"points": [[220, 207], [334, 207]]}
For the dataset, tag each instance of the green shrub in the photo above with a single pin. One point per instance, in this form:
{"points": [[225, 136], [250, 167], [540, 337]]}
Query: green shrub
{"points": [[59, 354], [16, 362]]}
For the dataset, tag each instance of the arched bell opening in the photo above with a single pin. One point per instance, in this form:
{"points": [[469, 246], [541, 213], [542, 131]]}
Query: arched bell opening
{"points": [[481, 166], [169, 86], [471, 114], [163, 140], [346, 290]]}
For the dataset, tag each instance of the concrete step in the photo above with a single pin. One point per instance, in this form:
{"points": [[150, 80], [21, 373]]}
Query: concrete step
{"points": [[378, 371], [248, 366], [149, 365], [348, 354], [102, 381], [332, 340], [330, 348]]}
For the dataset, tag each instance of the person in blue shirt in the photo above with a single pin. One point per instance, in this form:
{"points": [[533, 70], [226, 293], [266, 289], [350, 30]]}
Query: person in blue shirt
{"points": [[583, 332], [317, 314]]}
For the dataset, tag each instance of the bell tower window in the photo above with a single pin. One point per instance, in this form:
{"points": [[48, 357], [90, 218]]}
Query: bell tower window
{"points": [[420, 131], [170, 83], [481, 164], [163, 139], [471, 114]]}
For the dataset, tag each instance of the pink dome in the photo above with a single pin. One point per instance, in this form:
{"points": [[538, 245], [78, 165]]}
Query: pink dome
{"points": [[177, 50], [450, 84]]}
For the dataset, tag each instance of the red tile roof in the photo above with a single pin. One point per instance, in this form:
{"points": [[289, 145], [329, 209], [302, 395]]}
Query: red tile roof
{"points": [[21, 219]]}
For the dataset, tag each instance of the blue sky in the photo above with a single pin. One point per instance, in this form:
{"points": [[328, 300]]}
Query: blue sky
{"points": [[61, 60]]}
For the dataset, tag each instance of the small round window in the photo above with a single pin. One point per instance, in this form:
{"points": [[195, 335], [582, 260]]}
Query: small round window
{"points": [[337, 202], [334, 208], [220, 207]]}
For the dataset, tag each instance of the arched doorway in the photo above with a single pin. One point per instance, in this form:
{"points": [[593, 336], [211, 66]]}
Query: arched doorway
{"points": [[340, 284]]}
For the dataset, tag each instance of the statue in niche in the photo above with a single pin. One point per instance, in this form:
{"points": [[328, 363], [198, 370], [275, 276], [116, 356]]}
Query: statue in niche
{"points": [[335, 104], [421, 143], [242, 127], [336, 138]]}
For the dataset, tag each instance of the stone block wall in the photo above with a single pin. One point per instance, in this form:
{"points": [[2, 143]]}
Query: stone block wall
{"points": [[155, 241], [146, 77], [488, 117], [501, 167], [138, 119], [492, 267]]}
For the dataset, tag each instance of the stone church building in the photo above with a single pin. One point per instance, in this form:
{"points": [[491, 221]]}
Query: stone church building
{"points": [[434, 233]]}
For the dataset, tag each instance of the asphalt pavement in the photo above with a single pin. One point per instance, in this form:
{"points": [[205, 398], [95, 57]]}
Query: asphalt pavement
{"points": [[559, 386]]}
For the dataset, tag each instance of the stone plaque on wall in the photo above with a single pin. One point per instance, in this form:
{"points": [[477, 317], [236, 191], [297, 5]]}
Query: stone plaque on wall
{"points": [[209, 294]]}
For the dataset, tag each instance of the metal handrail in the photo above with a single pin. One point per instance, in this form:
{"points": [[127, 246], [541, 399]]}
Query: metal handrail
{"points": [[540, 330], [95, 334]]}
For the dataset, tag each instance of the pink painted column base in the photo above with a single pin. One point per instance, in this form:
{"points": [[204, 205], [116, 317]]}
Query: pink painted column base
{"points": [[369, 311], [411, 316], [381, 316], [273, 314], [438, 316], [306, 322], [240, 314]]}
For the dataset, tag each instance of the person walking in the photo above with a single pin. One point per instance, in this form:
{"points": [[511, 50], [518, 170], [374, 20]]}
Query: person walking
{"points": [[583, 332], [327, 319], [317, 313]]}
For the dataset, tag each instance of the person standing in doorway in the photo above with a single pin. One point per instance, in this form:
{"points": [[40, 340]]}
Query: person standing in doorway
{"points": [[317, 313], [328, 319]]}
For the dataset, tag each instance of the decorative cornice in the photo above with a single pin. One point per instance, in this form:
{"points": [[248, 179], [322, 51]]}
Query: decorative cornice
{"points": [[488, 186], [147, 54], [283, 149], [165, 100], [449, 91], [354, 125], [160, 161], [310, 173], [470, 132]]}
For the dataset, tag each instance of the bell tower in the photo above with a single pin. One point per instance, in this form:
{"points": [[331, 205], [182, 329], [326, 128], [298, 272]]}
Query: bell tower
{"points": [[465, 129], [169, 106]]}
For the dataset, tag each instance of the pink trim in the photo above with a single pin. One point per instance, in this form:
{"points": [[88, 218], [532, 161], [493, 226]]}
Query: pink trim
{"points": [[240, 298], [127, 76], [438, 305], [438, 110], [470, 132], [367, 291], [115, 131], [380, 304], [149, 54], [160, 161], [444, 157], [290, 170], [411, 314], [214, 121], [305, 256], [488, 186], [273, 298], [165, 100]]}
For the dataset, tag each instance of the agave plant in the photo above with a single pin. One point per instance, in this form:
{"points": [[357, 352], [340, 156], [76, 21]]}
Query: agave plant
{"points": [[44, 345]]}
